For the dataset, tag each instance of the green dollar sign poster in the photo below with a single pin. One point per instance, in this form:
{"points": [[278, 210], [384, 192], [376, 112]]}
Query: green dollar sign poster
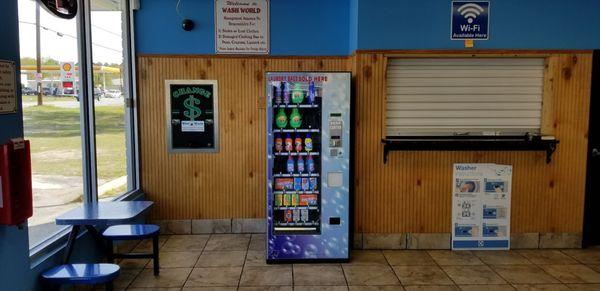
{"points": [[192, 115]]}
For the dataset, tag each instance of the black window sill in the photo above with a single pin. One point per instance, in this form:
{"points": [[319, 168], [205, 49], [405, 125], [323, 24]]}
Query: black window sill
{"points": [[470, 143]]}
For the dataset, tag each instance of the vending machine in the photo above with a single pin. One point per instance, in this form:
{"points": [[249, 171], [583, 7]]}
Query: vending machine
{"points": [[308, 166]]}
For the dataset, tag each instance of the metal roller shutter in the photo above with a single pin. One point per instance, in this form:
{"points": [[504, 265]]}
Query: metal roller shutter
{"points": [[458, 96]]}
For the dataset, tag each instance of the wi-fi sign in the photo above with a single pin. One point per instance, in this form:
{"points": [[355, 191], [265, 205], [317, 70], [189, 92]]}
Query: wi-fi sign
{"points": [[470, 20]]}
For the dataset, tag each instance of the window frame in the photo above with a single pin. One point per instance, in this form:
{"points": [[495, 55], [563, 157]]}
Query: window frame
{"points": [[56, 241]]}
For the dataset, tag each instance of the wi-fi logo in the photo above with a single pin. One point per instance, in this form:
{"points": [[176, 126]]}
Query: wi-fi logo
{"points": [[470, 11]]}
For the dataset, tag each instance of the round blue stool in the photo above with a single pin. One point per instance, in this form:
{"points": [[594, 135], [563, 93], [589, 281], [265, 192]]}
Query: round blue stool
{"points": [[82, 274], [133, 232]]}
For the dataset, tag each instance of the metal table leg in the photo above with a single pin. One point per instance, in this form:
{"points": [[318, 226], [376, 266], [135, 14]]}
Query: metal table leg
{"points": [[97, 237], [70, 243]]}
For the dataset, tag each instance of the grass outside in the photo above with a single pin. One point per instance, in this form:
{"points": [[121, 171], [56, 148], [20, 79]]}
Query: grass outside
{"points": [[45, 99], [55, 136]]}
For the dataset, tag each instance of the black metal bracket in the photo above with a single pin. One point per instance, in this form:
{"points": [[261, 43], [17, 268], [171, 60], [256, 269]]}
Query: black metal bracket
{"points": [[469, 143]]}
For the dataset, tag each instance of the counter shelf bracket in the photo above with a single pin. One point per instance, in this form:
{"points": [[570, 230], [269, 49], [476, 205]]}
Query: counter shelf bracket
{"points": [[497, 143]]}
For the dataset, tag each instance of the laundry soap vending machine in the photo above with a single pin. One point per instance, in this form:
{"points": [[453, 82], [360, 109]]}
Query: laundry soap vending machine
{"points": [[308, 166]]}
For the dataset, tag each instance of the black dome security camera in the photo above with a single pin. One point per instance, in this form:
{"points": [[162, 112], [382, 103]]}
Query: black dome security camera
{"points": [[187, 24]]}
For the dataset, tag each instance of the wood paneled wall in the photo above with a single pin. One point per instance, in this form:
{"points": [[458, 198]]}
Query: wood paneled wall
{"points": [[411, 193], [232, 182]]}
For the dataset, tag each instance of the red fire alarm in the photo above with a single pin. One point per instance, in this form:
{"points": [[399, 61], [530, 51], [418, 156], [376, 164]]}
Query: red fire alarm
{"points": [[16, 203]]}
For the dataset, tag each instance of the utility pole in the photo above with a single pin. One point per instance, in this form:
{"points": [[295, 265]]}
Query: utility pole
{"points": [[38, 76]]}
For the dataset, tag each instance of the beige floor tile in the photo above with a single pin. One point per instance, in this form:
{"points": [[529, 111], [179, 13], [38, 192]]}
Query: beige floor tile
{"points": [[256, 258], [125, 278], [228, 242], [587, 256], [455, 258], [146, 245], [502, 258], [175, 260], [214, 277], [370, 275], [151, 289], [267, 288], [318, 275], [267, 276], [375, 288], [524, 274], [133, 263], [504, 287], [185, 243], [221, 259], [547, 257], [367, 258], [209, 289], [408, 258], [468, 275], [541, 287], [320, 288], [572, 273], [174, 277], [431, 287], [422, 275], [257, 242], [584, 287]]}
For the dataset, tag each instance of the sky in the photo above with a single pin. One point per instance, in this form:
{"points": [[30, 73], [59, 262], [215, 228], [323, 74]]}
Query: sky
{"points": [[106, 35]]}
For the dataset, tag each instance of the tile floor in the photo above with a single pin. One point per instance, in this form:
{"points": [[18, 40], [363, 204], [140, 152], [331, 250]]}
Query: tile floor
{"points": [[237, 262]]}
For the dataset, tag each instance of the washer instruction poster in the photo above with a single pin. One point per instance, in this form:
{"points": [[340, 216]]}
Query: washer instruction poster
{"points": [[481, 206]]}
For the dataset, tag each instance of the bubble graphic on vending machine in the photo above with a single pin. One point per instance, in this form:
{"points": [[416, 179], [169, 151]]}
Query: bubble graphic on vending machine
{"points": [[287, 247], [296, 249], [311, 250]]}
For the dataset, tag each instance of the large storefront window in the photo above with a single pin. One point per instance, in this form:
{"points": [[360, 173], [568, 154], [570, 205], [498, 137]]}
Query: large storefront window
{"points": [[54, 103], [108, 23], [51, 119]]}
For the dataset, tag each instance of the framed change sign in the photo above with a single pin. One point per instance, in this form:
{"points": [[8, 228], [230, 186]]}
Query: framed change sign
{"points": [[192, 116]]}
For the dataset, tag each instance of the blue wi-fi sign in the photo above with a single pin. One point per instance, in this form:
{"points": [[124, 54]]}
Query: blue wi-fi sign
{"points": [[470, 20]]}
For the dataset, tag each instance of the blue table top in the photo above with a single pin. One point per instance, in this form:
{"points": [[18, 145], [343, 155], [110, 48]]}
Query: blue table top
{"points": [[105, 213], [131, 231], [82, 273]]}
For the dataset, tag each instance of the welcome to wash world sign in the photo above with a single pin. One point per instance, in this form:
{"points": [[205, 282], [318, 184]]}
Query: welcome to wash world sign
{"points": [[470, 20]]}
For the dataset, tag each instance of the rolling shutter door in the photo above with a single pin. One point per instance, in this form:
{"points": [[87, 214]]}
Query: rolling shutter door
{"points": [[458, 96]]}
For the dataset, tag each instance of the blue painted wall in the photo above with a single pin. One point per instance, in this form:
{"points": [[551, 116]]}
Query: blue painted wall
{"points": [[14, 250], [514, 24], [339, 27], [308, 27], [353, 29]]}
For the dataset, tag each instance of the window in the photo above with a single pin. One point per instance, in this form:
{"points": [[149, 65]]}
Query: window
{"points": [[51, 120], [77, 157], [110, 93], [460, 96]]}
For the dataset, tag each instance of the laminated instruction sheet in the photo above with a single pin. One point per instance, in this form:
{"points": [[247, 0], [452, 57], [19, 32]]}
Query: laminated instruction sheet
{"points": [[481, 206]]}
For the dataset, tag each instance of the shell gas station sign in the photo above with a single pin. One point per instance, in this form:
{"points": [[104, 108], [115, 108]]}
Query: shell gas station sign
{"points": [[67, 72]]}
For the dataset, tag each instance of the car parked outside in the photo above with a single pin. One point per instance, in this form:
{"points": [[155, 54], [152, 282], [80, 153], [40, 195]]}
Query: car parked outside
{"points": [[28, 91], [113, 94]]}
